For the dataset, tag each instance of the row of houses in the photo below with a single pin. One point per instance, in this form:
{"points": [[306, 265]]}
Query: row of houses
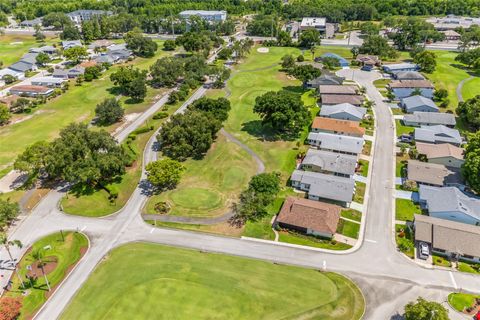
{"points": [[326, 172]]}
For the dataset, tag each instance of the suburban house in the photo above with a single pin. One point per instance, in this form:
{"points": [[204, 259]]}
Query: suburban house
{"points": [[31, 91], [100, 44], [19, 75], [88, 63], [343, 111], [434, 174], [78, 16], [450, 203], [30, 57], [325, 79], [368, 60], [50, 82], [443, 153], [452, 35], [76, 71], [9, 100], [329, 162], [71, 43], [309, 217], [405, 88], [332, 99], [418, 103], [23, 66], [457, 241], [324, 186], [50, 50], [340, 90], [205, 15], [396, 67], [343, 62], [31, 23], [408, 75], [105, 58], [343, 127], [335, 142], [438, 134], [419, 118]]}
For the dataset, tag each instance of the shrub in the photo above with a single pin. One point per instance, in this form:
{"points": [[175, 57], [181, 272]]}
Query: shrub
{"points": [[160, 115], [143, 129], [162, 207], [300, 58]]}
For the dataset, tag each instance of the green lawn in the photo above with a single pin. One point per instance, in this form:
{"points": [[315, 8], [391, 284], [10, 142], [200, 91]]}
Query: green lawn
{"points": [[381, 83], [461, 301], [363, 167], [440, 261], [209, 186], [468, 267], [402, 129], [66, 254], [75, 105], [405, 209], [399, 166], [13, 47], [471, 88], [310, 241], [405, 236], [359, 192], [352, 214], [185, 284], [348, 228], [367, 148]]}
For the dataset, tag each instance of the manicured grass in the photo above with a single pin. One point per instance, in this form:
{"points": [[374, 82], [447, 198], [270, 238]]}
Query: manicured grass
{"points": [[210, 185], [467, 267], [13, 47], [448, 75], [400, 166], [363, 167], [185, 284], [461, 301], [440, 261], [66, 254], [381, 83], [310, 241], [402, 129], [348, 228], [352, 214], [405, 209], [404, 234], [397, 111], [471, 88], [359, 192]]}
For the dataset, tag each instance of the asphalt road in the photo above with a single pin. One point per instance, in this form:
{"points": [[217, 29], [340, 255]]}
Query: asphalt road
{"points": [[375, 263]]}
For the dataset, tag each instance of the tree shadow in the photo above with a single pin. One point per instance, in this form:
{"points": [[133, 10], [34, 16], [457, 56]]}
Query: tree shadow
{"points": [[114, 91], [266, 132], [133, 101]]}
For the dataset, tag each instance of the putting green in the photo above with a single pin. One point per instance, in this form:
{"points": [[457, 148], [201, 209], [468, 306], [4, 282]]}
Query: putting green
{"points": [[196, 198], [148, 281]]}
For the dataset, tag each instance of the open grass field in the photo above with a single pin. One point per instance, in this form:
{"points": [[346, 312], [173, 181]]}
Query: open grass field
{"points": [[405, 209], [60, 258], [185, 284], [13, 47], [258, 74], [460, 301], [209, 186], [471, 88], [75, 105]]}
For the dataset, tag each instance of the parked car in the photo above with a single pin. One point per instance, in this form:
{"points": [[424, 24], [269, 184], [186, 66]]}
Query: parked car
{"points": [[406, 138], [367, 68], [424, 250], [477, 316]]}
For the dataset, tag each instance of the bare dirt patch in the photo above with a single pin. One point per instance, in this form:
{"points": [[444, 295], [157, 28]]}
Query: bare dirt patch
{"points": [[263, 50]]}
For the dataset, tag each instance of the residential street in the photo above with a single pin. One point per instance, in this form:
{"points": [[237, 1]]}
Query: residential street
{"points": [[387, 278]]}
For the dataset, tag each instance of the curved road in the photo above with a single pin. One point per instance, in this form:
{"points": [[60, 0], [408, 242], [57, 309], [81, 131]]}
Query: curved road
{"points": [[386, 277], [460, 87]]}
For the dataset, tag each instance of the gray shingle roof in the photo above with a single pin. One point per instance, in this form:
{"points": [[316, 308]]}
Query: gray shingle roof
{"points": [[433, 118], [410, 103], [400, 66], [448, 235], [21, 66], [326, 185], [437, 134], [330, 111], [408, 75], [337, 142], [30, 57], [433, 173], [448, 199], [71, 43], [331, 161]]}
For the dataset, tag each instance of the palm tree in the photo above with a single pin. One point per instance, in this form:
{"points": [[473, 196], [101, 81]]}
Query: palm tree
{"points": [[38, 257], [7, 244]]}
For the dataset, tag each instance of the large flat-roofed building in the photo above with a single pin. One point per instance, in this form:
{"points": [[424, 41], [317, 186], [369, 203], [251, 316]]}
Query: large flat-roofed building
{"points": [[205, 15], [317, 23], [452, 22], [452, 239], [309, 217], [78, 16]]}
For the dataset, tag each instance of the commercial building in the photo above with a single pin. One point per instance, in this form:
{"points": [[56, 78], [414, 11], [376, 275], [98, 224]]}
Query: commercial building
{"points": [[205, 15]]}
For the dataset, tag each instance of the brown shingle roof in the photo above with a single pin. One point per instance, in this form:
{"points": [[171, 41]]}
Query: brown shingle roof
{"points": [[329, 89], [411, 84], [314, 215], [448, 235], [331, 124], [432, 173], [30, 88], [89, 63], [368, 59], [432, 151], [356, 100]]}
